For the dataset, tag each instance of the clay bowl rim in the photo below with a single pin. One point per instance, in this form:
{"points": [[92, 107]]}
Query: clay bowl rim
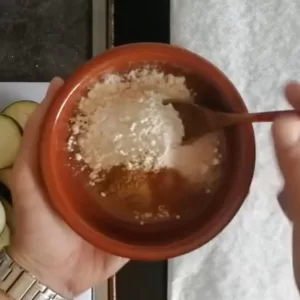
{"points": [[149, 252]]}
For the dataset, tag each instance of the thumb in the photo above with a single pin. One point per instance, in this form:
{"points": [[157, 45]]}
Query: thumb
{"points": [[25, 174], [30, 141], [286, 135]]}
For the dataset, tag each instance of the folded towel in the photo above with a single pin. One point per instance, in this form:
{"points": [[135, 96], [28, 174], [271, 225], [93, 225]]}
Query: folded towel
{"points": [[257, 45]]}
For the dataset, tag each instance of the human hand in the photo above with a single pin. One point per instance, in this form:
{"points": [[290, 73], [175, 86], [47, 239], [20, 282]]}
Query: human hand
{"points": [[43, 244], [286, 134]]}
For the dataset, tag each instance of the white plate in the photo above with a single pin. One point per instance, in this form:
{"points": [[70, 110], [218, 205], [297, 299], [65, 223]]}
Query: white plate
{"points": [[14, 91]]}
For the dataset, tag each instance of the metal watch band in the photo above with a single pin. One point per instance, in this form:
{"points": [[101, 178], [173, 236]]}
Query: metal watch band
{"points": [[18, 284]]}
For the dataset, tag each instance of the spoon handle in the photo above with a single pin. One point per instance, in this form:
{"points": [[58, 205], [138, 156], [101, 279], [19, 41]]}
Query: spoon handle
{"points": [[270, 116], [228, 119]]}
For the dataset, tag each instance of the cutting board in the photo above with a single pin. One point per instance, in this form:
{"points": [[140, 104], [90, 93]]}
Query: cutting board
{"points": [[14, 91]]}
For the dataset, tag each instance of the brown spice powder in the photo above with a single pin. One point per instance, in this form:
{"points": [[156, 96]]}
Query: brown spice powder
{"points": [[146, 196]]}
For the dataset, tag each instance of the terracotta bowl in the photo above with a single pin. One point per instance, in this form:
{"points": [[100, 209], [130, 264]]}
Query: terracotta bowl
{"points": [[78, 203]]}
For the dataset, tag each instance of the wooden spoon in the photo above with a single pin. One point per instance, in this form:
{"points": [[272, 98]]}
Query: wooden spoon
{"points": [[198, 120]]}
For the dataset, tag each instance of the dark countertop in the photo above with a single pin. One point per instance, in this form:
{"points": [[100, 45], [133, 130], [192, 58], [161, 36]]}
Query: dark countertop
{"points": [[42, 39], [142, 281]]}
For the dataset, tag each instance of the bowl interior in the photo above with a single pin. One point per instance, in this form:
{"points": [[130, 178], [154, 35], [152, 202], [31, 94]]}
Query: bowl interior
{"points": [[106, 224]]}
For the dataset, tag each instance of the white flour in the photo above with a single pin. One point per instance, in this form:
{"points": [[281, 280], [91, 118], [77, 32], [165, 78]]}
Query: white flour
{"points": [[123, 122]]}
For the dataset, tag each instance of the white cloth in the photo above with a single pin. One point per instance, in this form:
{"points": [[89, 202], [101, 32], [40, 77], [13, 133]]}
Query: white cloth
{"points": [[257, 45]]}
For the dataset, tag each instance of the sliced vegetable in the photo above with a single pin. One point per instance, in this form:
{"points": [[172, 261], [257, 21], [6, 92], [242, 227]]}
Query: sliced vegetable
{"points": [[9, 214], [20, 111], [5, 175], [10, 141], [2, 218], [5, 237]]}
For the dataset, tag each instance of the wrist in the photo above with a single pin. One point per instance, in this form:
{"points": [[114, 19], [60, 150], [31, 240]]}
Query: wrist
{"points": [[3, 296], [47, 276]]}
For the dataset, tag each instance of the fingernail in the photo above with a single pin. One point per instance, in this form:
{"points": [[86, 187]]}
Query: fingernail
{"points": [[56, 80], [286, 132]]}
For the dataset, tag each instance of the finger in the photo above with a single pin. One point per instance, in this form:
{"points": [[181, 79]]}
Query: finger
{"points": [[30, 141], [111, 265], [292, 93], [286, 135], [114, 263], [283, 201], [296, 256]]}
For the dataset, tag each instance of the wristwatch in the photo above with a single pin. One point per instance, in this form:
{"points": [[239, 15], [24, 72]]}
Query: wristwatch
{"points": [[18, 284]]}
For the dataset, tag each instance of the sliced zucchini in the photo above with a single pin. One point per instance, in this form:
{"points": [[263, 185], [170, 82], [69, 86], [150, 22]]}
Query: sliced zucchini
{"points": [[20, 111], [5, 175], [10, 141], [5, 237], [2, 217]]}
